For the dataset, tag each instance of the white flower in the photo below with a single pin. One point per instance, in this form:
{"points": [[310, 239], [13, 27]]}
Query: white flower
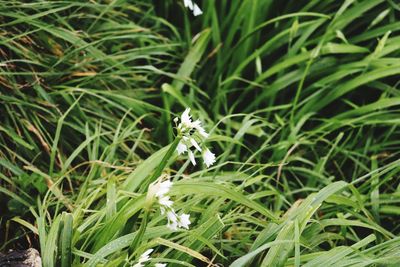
{"points": [[192, 134], [177, 221], [187, 127], [195, 144], [184, 221], [172, 220], [188, 4], [181, 148], [196, 124], [164, 188], [160, 265], [143, 258], [161, 188], [196, 10], [172, 226], [193, 7], [186, 118], [191, 157], [202, 132], [165, 201], [171, 215], [208, 157]]}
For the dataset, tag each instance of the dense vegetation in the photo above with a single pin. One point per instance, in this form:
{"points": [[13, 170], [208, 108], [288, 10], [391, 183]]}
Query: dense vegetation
{"points": [[301, 100]]}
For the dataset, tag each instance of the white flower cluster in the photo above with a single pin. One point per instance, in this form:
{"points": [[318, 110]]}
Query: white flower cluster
{"points": [[190, 131], [193, 7], [146, 257], [175, 221]]}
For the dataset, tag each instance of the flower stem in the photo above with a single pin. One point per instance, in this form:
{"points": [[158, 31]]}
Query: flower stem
{"points": [[163, 163], [147, 207], [140, 233]]}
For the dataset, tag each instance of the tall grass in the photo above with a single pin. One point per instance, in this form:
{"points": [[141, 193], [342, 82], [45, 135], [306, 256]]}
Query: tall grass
{"points": [[300, 99]]}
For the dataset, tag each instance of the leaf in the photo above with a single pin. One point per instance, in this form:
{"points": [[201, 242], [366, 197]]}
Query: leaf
{"points": [[135, 179], [193, 57], [212, 189], [66, 239]]}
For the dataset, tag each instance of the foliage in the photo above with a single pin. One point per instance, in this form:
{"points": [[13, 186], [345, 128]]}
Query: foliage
{"points": [[300, 99]]}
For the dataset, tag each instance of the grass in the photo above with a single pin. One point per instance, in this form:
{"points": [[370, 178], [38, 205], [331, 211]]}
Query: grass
{"points": [[300, 98]]}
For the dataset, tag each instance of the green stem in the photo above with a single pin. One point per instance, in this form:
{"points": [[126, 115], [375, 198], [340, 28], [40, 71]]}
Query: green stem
{"points": [[156, 174], [141, 231], [164, 162]]}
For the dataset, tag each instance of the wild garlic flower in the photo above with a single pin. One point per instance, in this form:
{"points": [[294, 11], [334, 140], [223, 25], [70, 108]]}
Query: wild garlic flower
{"points": [[192, 133], [145, 257], [193, 7], [208, 157], [176, 221], [162, 188], [160, 191]]}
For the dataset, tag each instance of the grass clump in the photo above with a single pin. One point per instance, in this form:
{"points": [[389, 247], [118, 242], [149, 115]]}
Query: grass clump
{"points": [[299, 98]]}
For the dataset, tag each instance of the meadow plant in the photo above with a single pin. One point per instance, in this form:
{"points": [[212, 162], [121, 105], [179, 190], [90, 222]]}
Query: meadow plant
{"points": [[190, 134], [187, 133], [301, 99], [159, 190]]}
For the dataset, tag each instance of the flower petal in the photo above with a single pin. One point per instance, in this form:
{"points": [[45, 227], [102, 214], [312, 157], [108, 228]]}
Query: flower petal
{"points": [[162, 188], [184, 221], [208, 157], [196, 10], [181, 148], [185, 117], [191, 157], [165, 201], [195, 144], [173, 226], [145, 256], [202, 132], [188, 4], [197, 125]]}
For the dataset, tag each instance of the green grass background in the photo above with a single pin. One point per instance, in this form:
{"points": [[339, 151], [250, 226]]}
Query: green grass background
{"points": [[301, 99]]}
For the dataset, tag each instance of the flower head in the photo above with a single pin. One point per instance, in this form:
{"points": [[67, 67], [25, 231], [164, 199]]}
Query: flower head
{"points": [[186, 118], [192, 134], [182, 148], [208, 157], [184, 220], [159, 190], [145, 257], [176, 221], [163, 188]]}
